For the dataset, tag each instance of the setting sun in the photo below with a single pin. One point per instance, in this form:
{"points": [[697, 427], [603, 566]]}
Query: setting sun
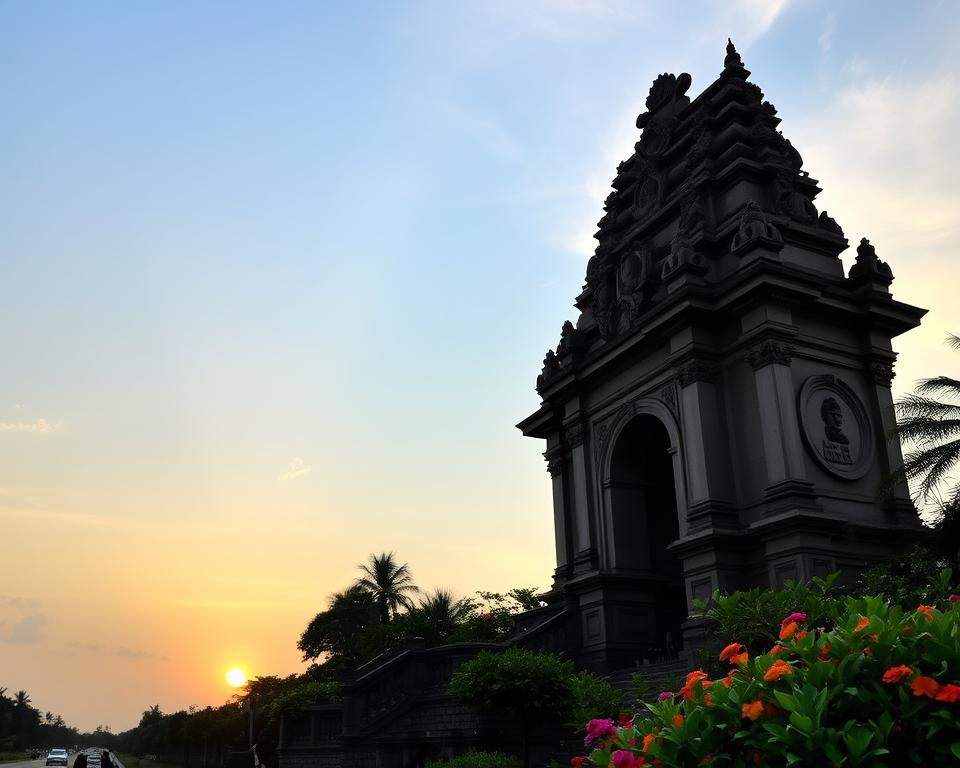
{"points": [[236, 677]]}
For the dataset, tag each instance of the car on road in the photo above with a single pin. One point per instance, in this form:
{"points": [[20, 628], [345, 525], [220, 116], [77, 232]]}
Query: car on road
{"points": [[57, 757]]}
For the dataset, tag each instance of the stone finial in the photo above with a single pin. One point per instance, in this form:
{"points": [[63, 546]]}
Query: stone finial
{"points": [[755, 229], [830, 224], [666, 96], [868, 266], [732, 59]]}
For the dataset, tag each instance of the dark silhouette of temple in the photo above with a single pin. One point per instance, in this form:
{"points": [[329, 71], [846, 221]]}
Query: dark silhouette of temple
{"points": [[718, 416]]}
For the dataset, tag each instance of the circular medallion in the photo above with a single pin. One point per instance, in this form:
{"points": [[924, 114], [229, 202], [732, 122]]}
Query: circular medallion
{"points": [[836, 427]]}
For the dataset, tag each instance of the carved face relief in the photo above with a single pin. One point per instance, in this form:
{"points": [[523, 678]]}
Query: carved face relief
{"points": [[836, 427], [629, 273]]}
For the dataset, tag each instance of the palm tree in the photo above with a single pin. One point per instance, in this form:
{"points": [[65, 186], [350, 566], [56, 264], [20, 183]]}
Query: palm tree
{"points": [[932, 427], [388, 583], [929, 420], [439, 615]]}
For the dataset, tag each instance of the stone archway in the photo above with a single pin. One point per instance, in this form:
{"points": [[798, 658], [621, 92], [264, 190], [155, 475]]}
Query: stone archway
{"points": [[643, 520]]}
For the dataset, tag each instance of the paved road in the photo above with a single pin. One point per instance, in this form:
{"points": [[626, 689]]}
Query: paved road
{"points": [[42, 762]]}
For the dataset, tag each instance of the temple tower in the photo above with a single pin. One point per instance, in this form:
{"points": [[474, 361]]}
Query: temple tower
{"points": [[719, 415]]}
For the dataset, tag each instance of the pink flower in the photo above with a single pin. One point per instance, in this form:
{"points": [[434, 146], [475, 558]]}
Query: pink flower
{"points": [[599, 729], [664, 695], [953, 598], [795, 616], [624, 759]]}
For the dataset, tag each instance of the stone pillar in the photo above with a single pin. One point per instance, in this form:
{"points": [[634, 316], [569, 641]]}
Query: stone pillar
{"points": [[558, 467], [706, 455], [584, 538], [780, 430]]}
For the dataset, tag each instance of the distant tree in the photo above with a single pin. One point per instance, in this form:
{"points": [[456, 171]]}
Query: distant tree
{"points": [[347, 631], [439, 617], [390, 584]]}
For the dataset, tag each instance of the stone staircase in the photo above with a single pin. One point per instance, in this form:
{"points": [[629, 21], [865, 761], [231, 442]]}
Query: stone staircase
{"points": [[661, 676]]}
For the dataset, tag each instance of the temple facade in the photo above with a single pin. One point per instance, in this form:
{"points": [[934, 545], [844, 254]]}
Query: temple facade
{"points": [[719, 414]]}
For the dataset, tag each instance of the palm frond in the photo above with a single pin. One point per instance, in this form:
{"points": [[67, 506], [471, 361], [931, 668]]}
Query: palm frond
{"points": [[925, 430], [939, 386], [912, 406]]}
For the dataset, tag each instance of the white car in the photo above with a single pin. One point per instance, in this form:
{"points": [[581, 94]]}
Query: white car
{"points": [[57, 757]]}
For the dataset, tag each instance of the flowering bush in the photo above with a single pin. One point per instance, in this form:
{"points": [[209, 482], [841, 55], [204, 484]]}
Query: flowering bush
{"points": [[881, 688]]}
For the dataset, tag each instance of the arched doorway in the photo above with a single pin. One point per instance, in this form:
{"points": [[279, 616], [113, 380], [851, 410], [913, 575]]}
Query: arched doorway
{"points": [[644, 521]]}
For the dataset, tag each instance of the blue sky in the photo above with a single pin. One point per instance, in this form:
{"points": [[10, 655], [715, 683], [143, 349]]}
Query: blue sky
{"points": [[279, 277]]}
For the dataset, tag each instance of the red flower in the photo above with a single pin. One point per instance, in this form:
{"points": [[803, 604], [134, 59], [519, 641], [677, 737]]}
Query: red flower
{"points": [[824, 652], [897, 674], [625, 721], [924, 686], [925, 610], [861, 624], [776, 650], [731, 650], [676, 721], [949, 693], [577, 762]]}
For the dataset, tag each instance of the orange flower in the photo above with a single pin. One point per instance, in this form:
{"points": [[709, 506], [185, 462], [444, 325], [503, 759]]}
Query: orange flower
{"points": [[778, 669], [730, 650], [676, 721], [924, 686], [897, 674], [706, 699], [824, 652], [697, 674], [725, 681], [775, 650], [861, 624], [788, 629], [800, 635], [647, 740], [873, 638], [752, 710], [867, 652], [925, 610], [906, 631], [949, 693]]}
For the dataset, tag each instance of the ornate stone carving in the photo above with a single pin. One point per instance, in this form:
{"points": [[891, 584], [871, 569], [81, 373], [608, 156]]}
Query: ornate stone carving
{"points": [[697, 370], [570, 339], [601, 430], [829, 223], [555, 466], [682, 255], [668, 393], [882, 373], [755, 230], [574, 435], [868, 266], [551, 366], [666, 95], [770, 352], [648, 196], [835, 426], [790, 202]]}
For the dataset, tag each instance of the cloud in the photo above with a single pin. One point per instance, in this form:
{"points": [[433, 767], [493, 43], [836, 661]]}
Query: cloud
{"points": [[32, 513], [38, 427], [128, 653], [25, 631], [752, 19], [827, 32], [18, 603], [298, 468]]}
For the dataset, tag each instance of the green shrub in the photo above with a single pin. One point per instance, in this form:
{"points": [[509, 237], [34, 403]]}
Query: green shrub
{"points": [[881, 688], [753, 617], [478, 760], [920, 576], [592, 696], [303, 695]]}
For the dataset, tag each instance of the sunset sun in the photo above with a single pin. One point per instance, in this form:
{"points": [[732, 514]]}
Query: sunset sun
{"points": [[236, 677]]}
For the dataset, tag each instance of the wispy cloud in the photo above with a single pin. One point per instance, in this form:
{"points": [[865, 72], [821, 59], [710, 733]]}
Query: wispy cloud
{"points": [[37, 427], [18, 603], [298, 468], [25, 631], [129, 653], [827, 31], [32, 513]]}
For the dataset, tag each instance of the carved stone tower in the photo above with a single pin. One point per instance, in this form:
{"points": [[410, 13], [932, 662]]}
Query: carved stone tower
{"points": [[719, 415]]}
